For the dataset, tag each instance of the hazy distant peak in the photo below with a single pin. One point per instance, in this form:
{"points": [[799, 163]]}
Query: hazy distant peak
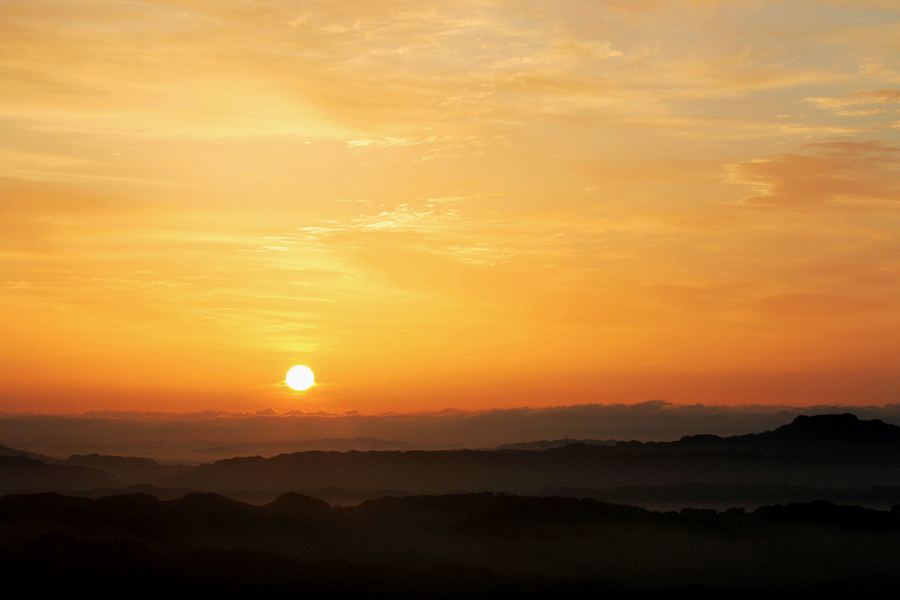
{"points": [[548, 444], [99, 461], [7, 451], [298, 504]]}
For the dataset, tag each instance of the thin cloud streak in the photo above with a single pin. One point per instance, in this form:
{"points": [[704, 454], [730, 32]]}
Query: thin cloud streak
{"points": [[825, 174]]}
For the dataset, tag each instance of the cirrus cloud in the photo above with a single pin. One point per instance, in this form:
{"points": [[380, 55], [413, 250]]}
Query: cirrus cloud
{"points": [[823, 174]]}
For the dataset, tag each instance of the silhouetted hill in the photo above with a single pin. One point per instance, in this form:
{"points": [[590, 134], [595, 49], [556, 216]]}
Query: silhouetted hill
{"points": [[547, 444], [678, 495], [6, 451], [128, 470], [844, 428], [162, 493], [833, 451], [298, 504], [833, 439], [473, 545], [824, 452], [20, 473], [578, 538], [275, 447], [111, 463]]}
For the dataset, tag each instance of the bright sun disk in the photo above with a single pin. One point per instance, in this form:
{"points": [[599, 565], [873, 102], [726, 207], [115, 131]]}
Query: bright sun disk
{"points": [[300, 378]]}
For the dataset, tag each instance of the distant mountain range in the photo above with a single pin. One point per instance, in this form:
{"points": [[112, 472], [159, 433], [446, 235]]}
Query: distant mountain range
{"points": [[833, 433], [537, 520], [19, 473], [828, 453], [820, 451], [548, 444]]}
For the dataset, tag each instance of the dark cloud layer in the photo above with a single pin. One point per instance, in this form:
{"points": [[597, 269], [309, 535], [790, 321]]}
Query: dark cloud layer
{"points": [[204, 437]]}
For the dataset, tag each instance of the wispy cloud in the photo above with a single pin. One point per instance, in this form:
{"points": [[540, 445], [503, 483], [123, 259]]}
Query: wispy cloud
{"points": [[827, 174], [862, 103]]}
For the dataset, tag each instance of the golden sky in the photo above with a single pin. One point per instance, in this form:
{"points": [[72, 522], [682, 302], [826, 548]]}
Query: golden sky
{"points": [[432, 203]]}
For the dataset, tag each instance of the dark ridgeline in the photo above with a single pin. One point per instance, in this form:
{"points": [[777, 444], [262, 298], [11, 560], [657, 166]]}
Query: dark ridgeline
{"points": [[843, 435], [23, 473], [474, 544], [827, 451]]}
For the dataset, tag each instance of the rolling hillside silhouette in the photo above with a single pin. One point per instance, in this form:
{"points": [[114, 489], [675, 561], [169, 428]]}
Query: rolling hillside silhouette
{"points": [[535, 522], [828, 451], [431, 544]]}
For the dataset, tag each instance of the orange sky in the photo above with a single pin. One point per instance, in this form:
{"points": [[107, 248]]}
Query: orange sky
{"points": [[448, 204]]}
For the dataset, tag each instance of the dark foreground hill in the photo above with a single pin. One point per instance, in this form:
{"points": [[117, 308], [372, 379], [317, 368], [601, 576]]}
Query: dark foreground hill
{"points": [[720, 496], [477, 545]]}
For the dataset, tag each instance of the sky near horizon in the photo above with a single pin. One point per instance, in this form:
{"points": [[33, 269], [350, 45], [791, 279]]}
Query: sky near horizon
{"points": [[434, 204]]}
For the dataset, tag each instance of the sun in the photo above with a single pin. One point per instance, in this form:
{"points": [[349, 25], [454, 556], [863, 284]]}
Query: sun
{"points": [[300, 378]]}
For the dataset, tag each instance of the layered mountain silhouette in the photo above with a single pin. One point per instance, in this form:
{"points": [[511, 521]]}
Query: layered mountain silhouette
{"points": [[826, 451], [842, 435], [844, 428], [477, 545], [536, 520], [18, 473]]}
